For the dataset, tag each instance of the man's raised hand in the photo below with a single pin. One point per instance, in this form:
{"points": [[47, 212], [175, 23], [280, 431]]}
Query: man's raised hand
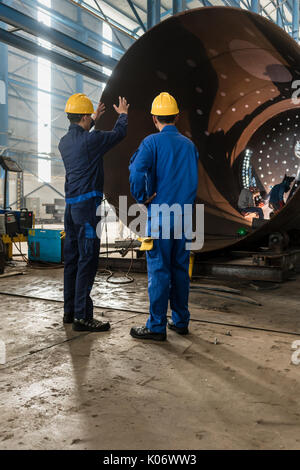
{"points": [[123, 106], [99, 111]]}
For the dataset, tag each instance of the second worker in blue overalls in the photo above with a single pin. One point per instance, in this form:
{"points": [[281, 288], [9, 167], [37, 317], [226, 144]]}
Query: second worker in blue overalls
{"points": [[82, 153], [164, 173]]}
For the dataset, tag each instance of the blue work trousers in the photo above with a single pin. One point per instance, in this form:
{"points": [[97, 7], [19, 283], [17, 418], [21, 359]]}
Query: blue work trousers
{"points": [[81, 255], [168, 279], [254, 210]]}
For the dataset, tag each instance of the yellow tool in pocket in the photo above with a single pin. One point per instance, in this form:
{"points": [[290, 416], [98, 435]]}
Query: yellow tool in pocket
{"points": [[62, 235], [146, 243], [191, 265]]}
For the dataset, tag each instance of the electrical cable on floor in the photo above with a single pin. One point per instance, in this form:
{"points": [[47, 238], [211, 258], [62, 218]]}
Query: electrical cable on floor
{"points": [[37, 265], [129, 279], [210, 322], [47, 265]]}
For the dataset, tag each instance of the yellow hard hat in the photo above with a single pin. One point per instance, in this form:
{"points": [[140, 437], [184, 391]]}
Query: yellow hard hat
{"points": [[79, 104], [164, 105]]}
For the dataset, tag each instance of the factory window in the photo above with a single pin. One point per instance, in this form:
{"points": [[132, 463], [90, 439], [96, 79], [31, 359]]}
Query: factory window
{"points": [[106, 48], [44, 104]]}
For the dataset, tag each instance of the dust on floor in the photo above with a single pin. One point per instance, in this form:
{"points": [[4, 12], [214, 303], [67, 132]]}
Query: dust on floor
{"points": [[221, 387]]}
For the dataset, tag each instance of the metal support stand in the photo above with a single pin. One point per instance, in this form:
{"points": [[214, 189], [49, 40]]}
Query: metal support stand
{"points": [[20, 191], [255, 266]]}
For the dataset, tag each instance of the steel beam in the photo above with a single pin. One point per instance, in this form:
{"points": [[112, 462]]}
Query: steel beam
{"points": [[79, 78], [97, 13], [114, 33], [33, 123], [178, 6], [295, 32], [136, 15], [69, 23], [32, 85], [255, 6], [59, 109], [56, 94], [3, 94], [56, 58], [279, 14], [26, 23], [55, 68], [31, 109], [289, 5], [166, 12], [44, 183], [21, 140], [240, 271], [153, 13]]}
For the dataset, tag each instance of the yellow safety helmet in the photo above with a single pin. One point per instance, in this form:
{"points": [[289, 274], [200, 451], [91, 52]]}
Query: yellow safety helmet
{"points": [[79, 104], [164, 105]]}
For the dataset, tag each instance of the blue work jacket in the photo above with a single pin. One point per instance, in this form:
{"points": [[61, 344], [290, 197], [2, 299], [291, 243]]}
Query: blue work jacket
{"points": [[166, 163], [277, 192], [82, 153]]}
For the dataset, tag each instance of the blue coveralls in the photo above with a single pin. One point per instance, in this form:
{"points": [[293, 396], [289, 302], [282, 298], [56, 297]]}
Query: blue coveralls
{"points": [[277, 193], [166, 163], [82, 153]]}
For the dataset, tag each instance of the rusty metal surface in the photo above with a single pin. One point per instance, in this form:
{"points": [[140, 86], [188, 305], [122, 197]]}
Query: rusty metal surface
{"points": [[231, 72]]}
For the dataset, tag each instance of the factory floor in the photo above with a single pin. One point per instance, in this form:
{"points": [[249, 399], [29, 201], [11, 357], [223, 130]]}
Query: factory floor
{"points": [[230, 384]]}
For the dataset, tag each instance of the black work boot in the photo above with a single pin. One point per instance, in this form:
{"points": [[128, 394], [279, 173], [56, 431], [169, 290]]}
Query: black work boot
{"points": [[90, 325], [142, 332], [180, 331], [68, 317]]}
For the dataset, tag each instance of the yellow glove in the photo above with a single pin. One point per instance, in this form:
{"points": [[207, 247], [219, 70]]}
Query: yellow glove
{"points": [[146, 243]]}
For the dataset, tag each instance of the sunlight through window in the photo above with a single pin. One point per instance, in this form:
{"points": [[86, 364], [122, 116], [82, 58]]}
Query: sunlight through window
{"points": [[106, 49], [44, 104]]}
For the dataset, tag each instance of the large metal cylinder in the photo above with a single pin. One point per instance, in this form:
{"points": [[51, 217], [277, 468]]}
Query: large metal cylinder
{"points": [[231, 72]]}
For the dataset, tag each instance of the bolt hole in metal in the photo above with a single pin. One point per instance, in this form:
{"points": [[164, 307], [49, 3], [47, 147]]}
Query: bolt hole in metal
{"points": [[232, 73]]}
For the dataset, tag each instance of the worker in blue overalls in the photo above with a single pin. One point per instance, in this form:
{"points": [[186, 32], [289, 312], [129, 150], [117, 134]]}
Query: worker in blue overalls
{"points": [[82, 153], [164, 170], [276, 196]]}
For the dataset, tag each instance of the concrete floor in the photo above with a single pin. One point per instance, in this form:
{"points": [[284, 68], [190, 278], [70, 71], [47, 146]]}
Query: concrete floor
{"points": [[222, 387]]}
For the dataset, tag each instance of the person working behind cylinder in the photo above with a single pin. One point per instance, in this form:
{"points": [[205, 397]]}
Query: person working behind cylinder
{"points": [[164, 171], [82, 153], [246, 202], [276, 196]]}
